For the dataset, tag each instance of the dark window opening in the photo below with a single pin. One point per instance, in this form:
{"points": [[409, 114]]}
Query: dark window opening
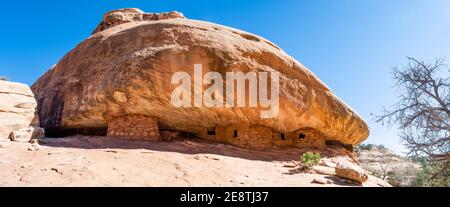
{"points": [[187, 135], [235, 133], [302, 136], [282, 136], [212, 132], [338, 144]]}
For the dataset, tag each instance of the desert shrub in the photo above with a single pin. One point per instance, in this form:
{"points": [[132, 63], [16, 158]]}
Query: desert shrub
{"points": [[395, 178], [399, 176], [382, 147], [432, 175], [365, 147], [310, 159], [4, 78], [369, 147]]}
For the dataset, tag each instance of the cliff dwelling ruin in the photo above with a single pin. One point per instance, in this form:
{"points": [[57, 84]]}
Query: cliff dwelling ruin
{"points": [[117, 83]]}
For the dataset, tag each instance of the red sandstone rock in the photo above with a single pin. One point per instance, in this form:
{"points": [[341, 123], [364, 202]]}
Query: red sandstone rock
{"points": [[121, 16], [351, 172], [98, 161], [125, 69]]}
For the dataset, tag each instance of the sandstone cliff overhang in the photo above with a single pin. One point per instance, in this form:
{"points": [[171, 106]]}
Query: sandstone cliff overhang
{"points": [[125, 67]]}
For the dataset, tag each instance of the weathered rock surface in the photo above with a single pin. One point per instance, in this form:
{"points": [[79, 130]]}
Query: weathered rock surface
{"points": [[351, 172], [27, 134], [4, 143], [17, 107], [126, 66], [99, 161], [344, 166], [121, 16], [321, 181]]}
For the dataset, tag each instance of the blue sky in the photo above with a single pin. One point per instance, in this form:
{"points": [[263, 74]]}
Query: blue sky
{"points": [[351, 45]]}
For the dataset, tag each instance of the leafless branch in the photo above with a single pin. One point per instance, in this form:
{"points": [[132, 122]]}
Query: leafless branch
{"points": [[423, 110]]}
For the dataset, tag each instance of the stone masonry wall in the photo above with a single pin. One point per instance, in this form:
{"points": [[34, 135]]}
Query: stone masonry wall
{"points": [[250, 137], [262, 138], [134, 127], [310, 138], [258, 138]]}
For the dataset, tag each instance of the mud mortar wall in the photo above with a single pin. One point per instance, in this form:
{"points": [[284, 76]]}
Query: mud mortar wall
{"points": [[134, 127]]}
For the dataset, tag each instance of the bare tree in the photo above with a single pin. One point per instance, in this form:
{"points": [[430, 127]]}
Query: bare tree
{"points": [[384, 166], [423, 110]]}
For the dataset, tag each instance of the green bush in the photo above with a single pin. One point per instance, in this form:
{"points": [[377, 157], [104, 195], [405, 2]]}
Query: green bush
{"points": [[365, 147], [396, 177], [370, 147], [432, 175], [310, 159]]}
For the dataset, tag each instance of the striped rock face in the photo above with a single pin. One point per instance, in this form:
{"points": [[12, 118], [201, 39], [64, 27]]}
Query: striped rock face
{"points": [[17, 107], [126, 68]]}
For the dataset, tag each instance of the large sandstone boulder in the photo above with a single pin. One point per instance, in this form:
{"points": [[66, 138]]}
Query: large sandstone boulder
{"points": [[351, 172], [126, 66], [17, 111]]}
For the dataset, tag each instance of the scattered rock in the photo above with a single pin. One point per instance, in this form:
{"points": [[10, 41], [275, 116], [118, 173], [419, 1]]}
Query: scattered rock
{"points": [[57, 170], [27, 134], [292, 164], [38, 133], [55, 153], [351, 172], [27, 165], [322, 181], [112, 151], [33, 147], [34, 141]]}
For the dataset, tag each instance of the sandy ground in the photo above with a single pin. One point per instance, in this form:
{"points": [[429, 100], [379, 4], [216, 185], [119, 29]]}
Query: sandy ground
{"points": [[98, 161]]}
